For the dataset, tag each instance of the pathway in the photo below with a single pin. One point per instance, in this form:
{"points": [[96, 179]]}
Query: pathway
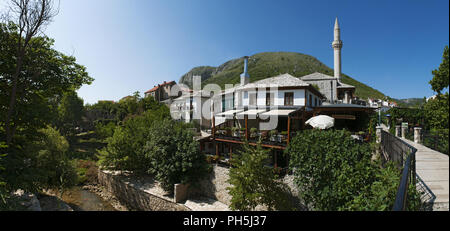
{"points": [[433, 175]]}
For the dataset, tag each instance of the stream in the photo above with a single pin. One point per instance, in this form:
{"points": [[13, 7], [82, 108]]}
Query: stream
{"points": [[80, 199]]}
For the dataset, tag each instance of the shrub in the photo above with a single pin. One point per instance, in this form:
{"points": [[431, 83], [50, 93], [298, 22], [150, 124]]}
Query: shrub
{"points": [[329, 167], [254, 183], [53, 167], [174, 155], [381, 194], [105, 130], [87, 172]]}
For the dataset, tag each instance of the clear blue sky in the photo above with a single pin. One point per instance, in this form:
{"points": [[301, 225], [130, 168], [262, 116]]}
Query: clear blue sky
{"points": [[132, 45]]}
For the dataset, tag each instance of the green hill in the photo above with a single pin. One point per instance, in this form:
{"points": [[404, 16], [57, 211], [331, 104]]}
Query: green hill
{"points": [[411, 102], [270, 64]]}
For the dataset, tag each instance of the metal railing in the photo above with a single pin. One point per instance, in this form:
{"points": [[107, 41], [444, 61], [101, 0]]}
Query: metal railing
{"points": [[404, 155]]}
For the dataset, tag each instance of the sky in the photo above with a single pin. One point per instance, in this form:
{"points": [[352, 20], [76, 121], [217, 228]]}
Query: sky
{"points": [[132, 45]]}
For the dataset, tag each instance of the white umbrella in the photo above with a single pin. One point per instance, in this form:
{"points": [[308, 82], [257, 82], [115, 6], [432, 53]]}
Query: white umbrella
{"points": [[321, 122]]}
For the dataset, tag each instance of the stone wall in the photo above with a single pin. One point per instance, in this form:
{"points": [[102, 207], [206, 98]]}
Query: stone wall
{"points": [[216, 185], [134, 195]]}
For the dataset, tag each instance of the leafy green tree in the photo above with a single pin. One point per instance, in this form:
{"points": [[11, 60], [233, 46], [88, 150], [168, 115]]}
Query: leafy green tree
{"points": [[330, 168], [46, 74], [70, 111], [440, 80], [174, 155], [254, 183], [437, 111]]}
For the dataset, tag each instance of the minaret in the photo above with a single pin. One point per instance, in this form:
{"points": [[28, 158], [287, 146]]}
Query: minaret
{"points": [[337, 45], [245, 77]]}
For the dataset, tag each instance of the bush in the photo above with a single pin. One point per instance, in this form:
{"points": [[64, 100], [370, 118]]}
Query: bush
{"points": [[381, 194], [105, 130], [254, 183], [338, 174], [87, 172], [174, 155], [52, 164], [437, 139], [329, 167]]}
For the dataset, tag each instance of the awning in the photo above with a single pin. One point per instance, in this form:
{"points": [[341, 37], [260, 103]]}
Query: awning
{"points": [[278, 113], [220, 120], [228, 114], [251, 113]]}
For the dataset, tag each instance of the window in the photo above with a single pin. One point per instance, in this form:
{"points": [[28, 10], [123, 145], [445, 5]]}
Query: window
{"points": [[315, 102], [252, 97], [289, 99], [270, 99]]}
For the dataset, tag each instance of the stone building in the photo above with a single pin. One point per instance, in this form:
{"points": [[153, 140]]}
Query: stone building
{"points": [[162, 92]]}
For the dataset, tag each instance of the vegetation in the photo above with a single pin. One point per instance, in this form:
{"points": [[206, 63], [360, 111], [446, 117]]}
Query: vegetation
{"points": [[70, 112], [37, 90], [125, 148], [173, 155], [339, 174], [380, 195], [433, 116], [270, 64], [53, 166], [254, 183], [411, 102], [152, 143]]}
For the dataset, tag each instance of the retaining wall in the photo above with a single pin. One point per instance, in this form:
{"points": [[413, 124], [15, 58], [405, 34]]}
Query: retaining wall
{"points": [[134, 196]]}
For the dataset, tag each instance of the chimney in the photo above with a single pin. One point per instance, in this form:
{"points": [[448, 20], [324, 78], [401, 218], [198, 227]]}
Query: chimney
{"points": [[245, 77]]}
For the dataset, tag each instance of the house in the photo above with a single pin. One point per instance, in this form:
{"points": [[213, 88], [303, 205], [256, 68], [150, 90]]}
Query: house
{"points": [[272, 110], [162, 92], [189, 107]]}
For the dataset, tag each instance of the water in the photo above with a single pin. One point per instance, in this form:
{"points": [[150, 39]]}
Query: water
{"points": [[83, 200]]}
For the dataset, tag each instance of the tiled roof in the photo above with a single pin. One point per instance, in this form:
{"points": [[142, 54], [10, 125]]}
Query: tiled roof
{"points": [[343, 85], [284, 80], [161, 85], [317, 76]]}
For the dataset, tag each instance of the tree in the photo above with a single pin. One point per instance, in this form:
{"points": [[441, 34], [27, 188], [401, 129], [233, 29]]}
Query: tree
{"points": [[70, 112], [125, 147], [174, 155], [30, 16], [46, 74], [254, 183], [437, 112], [440, 80], [437, 109]]}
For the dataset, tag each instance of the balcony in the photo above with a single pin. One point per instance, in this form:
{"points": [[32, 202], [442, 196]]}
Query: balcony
{"points": [[269, 139]]}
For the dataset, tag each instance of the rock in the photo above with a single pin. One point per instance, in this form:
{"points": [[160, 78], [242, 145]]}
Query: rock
{"points": [[28, 201]]}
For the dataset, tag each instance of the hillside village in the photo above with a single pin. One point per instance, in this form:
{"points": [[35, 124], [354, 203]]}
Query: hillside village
{"points": [[275, 131]]}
